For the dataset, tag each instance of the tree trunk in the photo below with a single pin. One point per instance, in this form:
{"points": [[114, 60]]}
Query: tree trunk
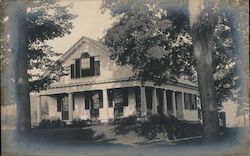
{"points": [[18, 43], [202, 28]]}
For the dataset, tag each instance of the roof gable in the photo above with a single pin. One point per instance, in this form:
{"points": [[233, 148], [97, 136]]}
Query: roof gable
{"points": [[79, 43]]}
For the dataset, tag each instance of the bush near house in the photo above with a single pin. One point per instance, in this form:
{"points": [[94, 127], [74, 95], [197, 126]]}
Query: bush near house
{"points": [[157, 124], [81, 123], [47, 123], [57, 123]]}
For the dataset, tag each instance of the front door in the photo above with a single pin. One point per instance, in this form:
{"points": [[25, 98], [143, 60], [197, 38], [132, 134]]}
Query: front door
{"points": [[65, 108], [118, 105]]}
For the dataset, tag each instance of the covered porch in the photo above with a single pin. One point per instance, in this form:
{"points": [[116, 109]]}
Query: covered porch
{"points": [[117, 100]]}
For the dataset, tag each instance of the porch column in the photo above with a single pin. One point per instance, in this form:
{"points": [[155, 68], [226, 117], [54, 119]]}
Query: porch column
{"points": [[70, 98], [143, 101], [105, 105], [131, 101], [82, 108], [165, 110], [174, 103], [38, 112], [154, 102]]}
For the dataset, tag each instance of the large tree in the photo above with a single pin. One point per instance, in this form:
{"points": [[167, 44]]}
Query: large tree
{"points": [[155, 39], [32, 24], [203, 20]]}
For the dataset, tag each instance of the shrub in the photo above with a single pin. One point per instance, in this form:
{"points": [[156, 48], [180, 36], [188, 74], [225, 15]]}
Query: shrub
{"points": [[155, 124], [81, 123], [57, 123]]}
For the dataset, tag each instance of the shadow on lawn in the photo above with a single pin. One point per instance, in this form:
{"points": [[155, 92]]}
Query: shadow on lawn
{"points": [[169, 127], [67, 135]]}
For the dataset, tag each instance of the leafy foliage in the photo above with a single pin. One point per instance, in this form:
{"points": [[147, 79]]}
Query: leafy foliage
{"points": [[45, 20], [152, 43], [158, 124], [155, 40], [51, 124]]}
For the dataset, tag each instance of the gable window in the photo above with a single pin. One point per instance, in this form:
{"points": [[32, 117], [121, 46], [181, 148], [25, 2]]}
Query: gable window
{"points": [[85, 63], [85, 66]]}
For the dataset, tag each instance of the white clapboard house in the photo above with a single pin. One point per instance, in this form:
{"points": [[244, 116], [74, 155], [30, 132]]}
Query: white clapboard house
{"points": [[97, 88]]}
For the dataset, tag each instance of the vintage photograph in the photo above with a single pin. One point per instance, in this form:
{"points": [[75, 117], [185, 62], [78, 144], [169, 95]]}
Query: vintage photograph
{"points": [[124, 77]]}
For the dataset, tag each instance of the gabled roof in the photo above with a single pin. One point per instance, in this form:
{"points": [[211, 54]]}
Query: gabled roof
{"points": [[98, 44], [81, 41]]}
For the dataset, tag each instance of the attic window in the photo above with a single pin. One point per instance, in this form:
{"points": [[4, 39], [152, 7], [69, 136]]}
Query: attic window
{"points": [[85, 63]]}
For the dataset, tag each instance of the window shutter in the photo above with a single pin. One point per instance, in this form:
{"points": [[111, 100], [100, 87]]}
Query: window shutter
{"points": [[59, 103], [125, 97], [92, 66], [97, 68], [87, 100], [73, 102], [77, 74], [100, 99], [110, 98], [169, 100], [186, 101], [195, 102], [190, 101], [72, 71]]}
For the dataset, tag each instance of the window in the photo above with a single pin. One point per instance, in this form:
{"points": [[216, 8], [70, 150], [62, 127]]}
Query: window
{"points": [[85, 66], [85, 63], [186, 101], [190, 101], [93, 100]]}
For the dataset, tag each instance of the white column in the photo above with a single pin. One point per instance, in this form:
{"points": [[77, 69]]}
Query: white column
{"points": [[131, 101], [39, 115], [174, 103], [105, 105], [165, 106], [70, 98], [154, 102], [143, 101], [82, 109]]}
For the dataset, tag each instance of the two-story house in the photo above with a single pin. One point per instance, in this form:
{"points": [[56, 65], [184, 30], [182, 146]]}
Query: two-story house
{"points": [[97, 88]]}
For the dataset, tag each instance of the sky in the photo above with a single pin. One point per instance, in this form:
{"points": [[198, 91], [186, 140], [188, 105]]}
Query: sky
{"points": [[90, 23]]}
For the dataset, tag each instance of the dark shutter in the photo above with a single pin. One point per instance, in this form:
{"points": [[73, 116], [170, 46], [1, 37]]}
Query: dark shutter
{"points": [[72, 71], [186, 101], [87, 99], [125, 97], [110, 98], [190, 102], [169, 100], [138, 96], [77, 74], [100, 99], [73, 102], [92, 66], [97, 68], [195, 102], [59, 103]]}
